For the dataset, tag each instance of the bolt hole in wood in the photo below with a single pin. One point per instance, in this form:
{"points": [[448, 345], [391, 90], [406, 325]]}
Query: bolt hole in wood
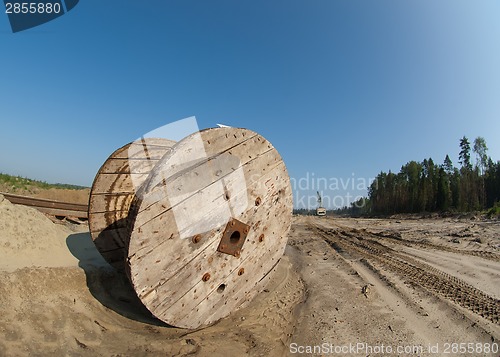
{"points": [[221, 288], [258, 200], [235, 237], [206, 277], [241, 271]]}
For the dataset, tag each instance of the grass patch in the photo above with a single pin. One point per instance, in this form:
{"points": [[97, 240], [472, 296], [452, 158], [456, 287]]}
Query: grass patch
{"points": [[494, 211], [23, 183]]}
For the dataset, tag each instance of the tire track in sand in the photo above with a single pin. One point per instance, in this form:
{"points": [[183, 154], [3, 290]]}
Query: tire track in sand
{"points": [[426, 276]]}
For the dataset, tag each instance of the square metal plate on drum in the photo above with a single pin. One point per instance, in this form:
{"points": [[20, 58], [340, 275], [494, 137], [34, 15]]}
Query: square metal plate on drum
{"points": [[233, 237]]}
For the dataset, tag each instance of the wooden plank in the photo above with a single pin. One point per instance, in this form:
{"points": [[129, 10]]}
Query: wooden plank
{"points": [[62, 212], [151, 149], [55, 208], [118, 183], [133, 166], [111, 202], [108, 220], [166, 270], [42, 202]]}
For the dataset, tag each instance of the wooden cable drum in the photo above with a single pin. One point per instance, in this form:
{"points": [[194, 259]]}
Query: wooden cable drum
{"points": [[205, 228], [209, 225], [112, 192]]}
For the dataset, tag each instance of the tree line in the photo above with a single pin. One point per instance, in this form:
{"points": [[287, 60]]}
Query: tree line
{"points": [[429, 187]]}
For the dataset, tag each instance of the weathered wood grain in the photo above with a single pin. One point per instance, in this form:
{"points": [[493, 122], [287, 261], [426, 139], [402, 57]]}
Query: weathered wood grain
{"points": [[179, 218], [183, 253], [113, 190]]}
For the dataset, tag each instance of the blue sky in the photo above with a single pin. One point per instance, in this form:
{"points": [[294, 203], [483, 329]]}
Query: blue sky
{"points": [[343, 89]]}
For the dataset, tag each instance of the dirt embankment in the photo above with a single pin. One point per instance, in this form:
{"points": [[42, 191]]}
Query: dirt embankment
{"points": [[66, 195], [80, 196]]}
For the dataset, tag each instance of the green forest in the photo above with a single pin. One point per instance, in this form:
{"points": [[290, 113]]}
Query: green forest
{"points": [[429, 187]]}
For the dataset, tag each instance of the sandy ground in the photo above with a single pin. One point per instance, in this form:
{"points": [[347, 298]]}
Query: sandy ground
{"points": [[408, 285], [404, 283]]}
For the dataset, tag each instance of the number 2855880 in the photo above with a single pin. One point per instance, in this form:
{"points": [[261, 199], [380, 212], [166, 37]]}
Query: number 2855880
{"points": [[32, 8]]}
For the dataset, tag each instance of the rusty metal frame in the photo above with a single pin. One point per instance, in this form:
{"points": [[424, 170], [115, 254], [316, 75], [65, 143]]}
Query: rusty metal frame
{"points": [[233, 238]]}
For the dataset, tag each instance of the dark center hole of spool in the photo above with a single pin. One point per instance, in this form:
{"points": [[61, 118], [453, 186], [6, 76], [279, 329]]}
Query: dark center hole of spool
{"points": [[221, 288], [235, 237]]}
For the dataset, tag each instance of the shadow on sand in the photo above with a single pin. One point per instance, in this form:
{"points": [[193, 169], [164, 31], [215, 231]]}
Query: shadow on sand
{"points": [[109, 286]]}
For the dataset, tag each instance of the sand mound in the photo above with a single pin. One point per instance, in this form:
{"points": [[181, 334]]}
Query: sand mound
{"points": [[29, 238], [59, 297]]}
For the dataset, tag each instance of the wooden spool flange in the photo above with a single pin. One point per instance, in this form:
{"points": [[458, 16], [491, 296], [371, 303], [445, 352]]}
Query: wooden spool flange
{"points": [[208, 226], [112, 192]]}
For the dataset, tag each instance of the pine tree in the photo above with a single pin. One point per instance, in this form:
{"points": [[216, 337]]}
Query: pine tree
{"points": [[448, 165], [464, 154]]}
